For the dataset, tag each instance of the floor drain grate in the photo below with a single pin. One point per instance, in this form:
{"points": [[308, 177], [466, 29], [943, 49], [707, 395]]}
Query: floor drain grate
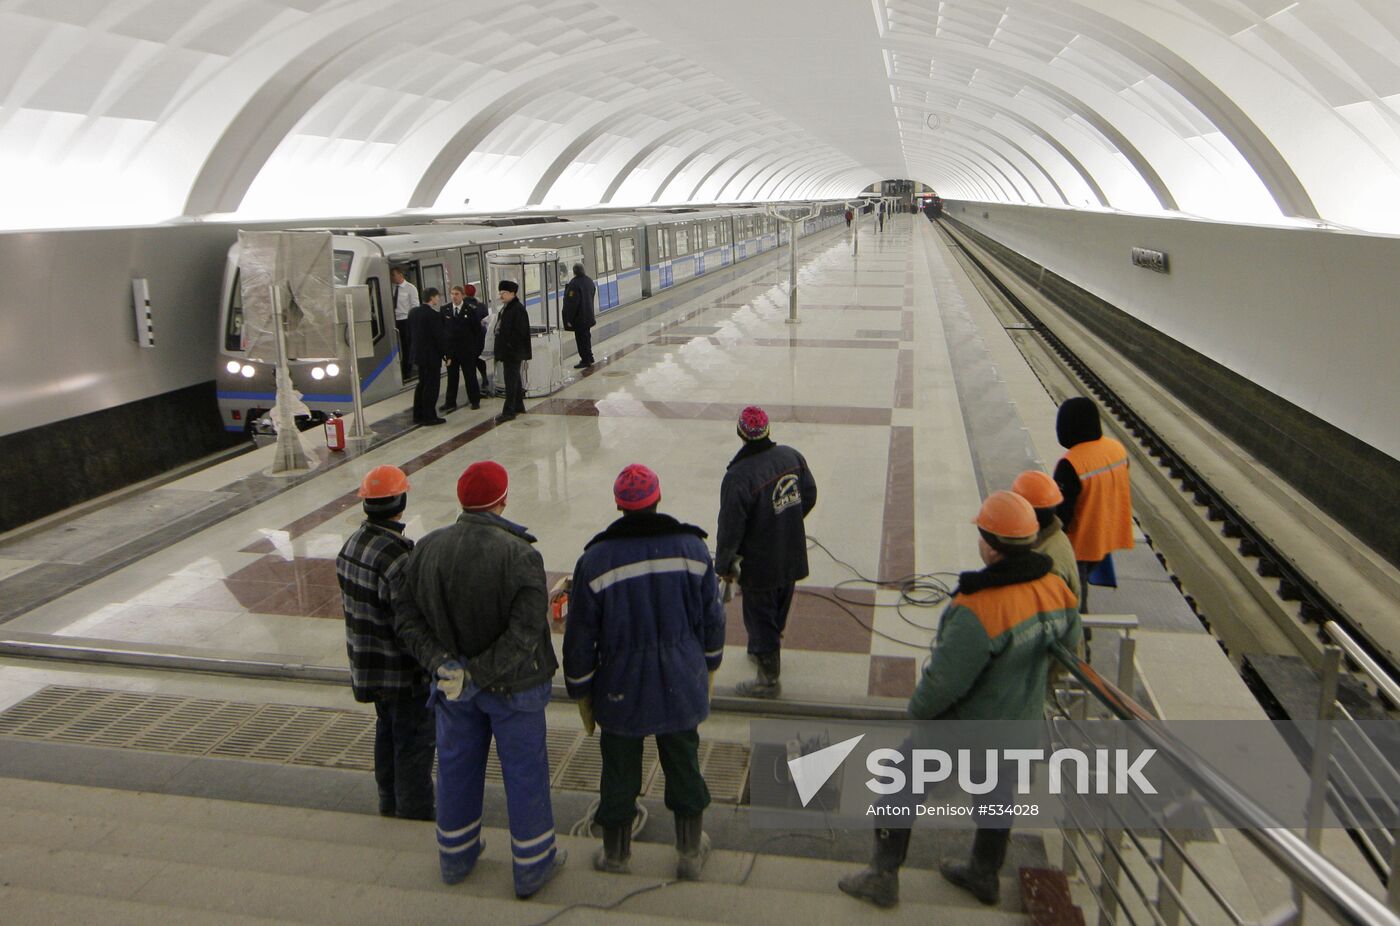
{"points": [[312, 736]]}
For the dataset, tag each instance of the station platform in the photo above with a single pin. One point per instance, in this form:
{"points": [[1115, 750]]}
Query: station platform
{"points": [[898, 385]]}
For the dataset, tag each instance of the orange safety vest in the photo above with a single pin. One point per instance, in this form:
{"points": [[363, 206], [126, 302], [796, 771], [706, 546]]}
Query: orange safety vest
{"points": [[1103, 514]]}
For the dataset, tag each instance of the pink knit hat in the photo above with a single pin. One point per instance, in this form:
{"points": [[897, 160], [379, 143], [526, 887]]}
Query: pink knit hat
{"points": [[753, 423], [636, 487]]}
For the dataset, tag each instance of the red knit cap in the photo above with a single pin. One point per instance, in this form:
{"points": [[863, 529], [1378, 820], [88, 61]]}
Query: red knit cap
{"points": [[483, 485], [469, 290], [636, 487], [753, 423]]}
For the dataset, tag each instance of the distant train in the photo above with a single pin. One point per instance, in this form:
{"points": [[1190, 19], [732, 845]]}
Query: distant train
{"points": [[631, 256]]}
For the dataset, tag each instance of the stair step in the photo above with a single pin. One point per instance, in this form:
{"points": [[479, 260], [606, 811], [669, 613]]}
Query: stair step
{"points": [[92, 840], [28, 907]]}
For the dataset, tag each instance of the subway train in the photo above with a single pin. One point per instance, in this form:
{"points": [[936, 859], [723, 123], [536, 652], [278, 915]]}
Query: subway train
{"points": [[630, 255]]}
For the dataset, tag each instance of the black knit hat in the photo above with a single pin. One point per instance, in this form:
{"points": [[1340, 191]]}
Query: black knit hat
{"points": [[389, 507], [1077, 422], [508, 286]]}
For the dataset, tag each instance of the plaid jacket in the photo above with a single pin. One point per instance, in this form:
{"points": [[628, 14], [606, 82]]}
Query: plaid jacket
{"points": [[379, 666]]}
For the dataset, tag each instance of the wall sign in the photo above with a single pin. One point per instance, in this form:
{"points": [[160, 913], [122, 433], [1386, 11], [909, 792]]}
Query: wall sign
{"points": [[1151, 260]]}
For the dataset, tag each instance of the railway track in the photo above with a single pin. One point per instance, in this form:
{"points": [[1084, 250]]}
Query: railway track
{"points": [[1254, 593]]}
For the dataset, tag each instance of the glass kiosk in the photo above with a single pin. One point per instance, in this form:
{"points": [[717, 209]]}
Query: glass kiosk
{"points": [[536, 270]]}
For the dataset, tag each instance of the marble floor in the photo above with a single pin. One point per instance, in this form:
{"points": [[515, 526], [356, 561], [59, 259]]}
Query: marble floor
{"points": [[898, 385]]}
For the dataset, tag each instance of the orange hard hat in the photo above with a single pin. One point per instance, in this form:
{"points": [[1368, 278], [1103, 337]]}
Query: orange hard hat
{"points": [[384, 482], [1038, 489], [1008, 516]]}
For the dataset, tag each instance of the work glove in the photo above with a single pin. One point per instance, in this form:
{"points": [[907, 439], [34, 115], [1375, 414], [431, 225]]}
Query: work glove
{"points": [[585, 713], [451, 679]]}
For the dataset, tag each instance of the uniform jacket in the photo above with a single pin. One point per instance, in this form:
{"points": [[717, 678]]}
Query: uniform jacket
{"points": [[475, 591], [379, 665], [578, 303], [766, 493], [513, 332], [1053, 543], [427, 335], [465, 328], [645, 626], [991, 653]]}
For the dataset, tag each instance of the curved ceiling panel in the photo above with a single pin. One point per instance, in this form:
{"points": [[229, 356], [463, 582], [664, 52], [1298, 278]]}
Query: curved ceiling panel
{"points": [[138, 111]]}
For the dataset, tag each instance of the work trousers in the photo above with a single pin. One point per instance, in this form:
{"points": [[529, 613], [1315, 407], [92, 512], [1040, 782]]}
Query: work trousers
{"points": [[583, 337], [765, 617], [621, 782], [425, 394], [403, 755], [1084, 569], [405, 347], [461, 368], [465, 728], [515, 388]]}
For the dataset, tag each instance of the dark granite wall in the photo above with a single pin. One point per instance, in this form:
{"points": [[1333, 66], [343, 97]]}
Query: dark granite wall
{"points": [[67, 462], [1352, 481]]}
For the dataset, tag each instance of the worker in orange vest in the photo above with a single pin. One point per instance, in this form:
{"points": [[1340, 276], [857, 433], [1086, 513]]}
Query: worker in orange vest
{"points": [[1097, 512]]}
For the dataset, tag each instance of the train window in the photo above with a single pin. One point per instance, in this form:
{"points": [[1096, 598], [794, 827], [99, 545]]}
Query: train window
{"points": [[600, 256], [628, 256], [663, 235], [471, 270], [682, 241], [434, 276], [233, 333], [711, 235], [567, 258], [340, 264], [376, 310]]}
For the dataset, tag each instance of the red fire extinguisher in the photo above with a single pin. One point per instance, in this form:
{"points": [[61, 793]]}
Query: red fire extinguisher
{"points": [[335, 432]]}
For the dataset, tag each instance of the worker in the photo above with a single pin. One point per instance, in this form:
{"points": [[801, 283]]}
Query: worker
{"points": [[645, 635], [1045, 497], [766, 494], [381, 672], [1097, 511], [470, 604], [990, 659]]}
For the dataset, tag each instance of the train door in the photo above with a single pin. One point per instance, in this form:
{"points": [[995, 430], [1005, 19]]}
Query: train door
{"points": [[605, 270], [629, 286]]}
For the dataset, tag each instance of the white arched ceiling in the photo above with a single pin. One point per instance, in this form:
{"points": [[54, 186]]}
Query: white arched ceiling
{"points": [[138, 111]]}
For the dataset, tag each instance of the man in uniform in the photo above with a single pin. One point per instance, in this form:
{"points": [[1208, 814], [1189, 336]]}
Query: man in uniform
{"points": [[465, 335], [990, 660], [578, 315], [429, 342], [512, 348], [766, 494]]}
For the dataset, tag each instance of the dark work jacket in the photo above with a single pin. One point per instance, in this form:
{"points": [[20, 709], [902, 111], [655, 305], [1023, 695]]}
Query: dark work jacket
{"points": [[578, 303], [465, 334], [766, 493], [426, 335], [645, 626], [475, 591], [513, 332]]}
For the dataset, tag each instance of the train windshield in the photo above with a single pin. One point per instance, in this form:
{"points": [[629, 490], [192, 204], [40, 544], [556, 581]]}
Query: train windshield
{"points": [[233, 330]]}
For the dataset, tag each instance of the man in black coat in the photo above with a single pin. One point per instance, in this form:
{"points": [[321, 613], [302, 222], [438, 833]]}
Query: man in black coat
{"points": [[465, 338], [578, 315], [767, 493], [512, 348], [429, 340]]}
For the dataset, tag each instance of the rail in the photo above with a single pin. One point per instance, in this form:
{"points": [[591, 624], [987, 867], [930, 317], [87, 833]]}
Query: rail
{"points": [[1101, 851]]}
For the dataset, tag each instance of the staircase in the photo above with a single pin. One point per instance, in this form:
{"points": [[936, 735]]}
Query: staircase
{"points": [[93, 855]]}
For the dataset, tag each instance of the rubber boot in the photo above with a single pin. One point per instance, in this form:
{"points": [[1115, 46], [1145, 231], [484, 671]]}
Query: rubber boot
{"points": [[766, 685], [879, 884], [615, 857], [980, 876], [693, 847], [530, 889]]}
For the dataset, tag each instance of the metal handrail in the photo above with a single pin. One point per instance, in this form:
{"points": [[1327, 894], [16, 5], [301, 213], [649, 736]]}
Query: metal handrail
{"points": [[1382, 679], [1323, 882]]}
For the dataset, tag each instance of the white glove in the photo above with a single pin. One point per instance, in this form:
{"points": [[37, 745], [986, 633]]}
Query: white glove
{"points": [[451, 679]]}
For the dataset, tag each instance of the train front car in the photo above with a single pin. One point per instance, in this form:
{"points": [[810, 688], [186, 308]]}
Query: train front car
{"points": [[247, 388]]}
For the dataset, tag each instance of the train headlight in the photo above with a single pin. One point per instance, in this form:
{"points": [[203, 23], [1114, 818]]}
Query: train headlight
{"points": [[332, 369], [317, 373], [248, 371], [233, 366]]}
